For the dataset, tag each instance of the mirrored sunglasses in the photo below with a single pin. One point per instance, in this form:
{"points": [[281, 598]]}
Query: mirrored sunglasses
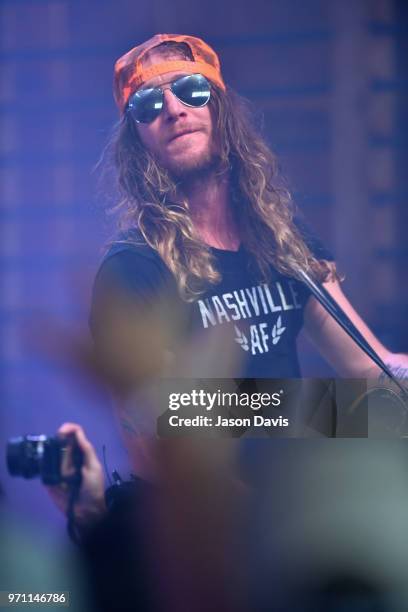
{"points": [[145, 105]]}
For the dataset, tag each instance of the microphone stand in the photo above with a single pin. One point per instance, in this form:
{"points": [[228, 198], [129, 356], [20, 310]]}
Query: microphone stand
{"points": [[332, 307]]}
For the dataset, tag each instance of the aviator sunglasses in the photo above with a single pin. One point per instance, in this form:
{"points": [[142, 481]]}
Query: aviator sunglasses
{"points": [[145, 105]]}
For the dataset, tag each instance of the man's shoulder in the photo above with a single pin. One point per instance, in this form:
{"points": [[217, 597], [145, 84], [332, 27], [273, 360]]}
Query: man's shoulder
{"points": [[131, 241], [131, 263], [132, 268]]}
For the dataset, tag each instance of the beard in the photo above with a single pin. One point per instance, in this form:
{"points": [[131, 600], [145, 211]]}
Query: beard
{"points": [[188, 165], [195, 170]]}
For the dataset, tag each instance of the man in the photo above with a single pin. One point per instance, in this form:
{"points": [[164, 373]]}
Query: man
{"points": [[205, 219], [202, 203]]}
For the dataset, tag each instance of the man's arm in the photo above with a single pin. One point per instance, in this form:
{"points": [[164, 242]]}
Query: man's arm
{"points": [[339, 349]]}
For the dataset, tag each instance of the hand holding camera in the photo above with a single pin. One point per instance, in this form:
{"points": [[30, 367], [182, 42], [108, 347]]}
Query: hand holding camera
{"points": [[65, 463], [90, 504]]}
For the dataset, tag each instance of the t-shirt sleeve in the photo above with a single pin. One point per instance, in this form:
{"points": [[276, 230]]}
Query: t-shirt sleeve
{"points": [[315, 244], [128, 274], [132, 273]]}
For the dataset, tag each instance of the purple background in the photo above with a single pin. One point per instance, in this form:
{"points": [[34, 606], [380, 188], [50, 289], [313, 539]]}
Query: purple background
{"points": [[330, 78]]}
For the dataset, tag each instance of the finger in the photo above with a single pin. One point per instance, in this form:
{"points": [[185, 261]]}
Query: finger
{"points": [[68, 428], [90, 457]]}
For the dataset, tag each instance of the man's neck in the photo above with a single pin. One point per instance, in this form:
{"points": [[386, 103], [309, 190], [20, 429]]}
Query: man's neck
{"points": [[211, 211]]}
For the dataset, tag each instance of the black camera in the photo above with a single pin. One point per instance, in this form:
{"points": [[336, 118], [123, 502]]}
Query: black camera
{"points": [[46, 457]]}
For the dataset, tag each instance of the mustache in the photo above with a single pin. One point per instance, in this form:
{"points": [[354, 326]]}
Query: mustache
{"points": [[186, 127]]}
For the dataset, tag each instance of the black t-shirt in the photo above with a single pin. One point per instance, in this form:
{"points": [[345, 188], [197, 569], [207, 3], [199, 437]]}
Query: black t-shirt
{"points": [[265, 318]]}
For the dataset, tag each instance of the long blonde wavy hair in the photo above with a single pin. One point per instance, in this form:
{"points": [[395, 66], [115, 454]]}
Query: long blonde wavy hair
{"points": [[262, 207]]}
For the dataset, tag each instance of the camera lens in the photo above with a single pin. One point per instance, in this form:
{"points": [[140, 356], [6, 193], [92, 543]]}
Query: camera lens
{"points": [[24, 455]]}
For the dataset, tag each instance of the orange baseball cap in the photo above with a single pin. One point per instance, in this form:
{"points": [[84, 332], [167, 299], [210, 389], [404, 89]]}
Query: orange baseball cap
{"points": [[130, 74]]}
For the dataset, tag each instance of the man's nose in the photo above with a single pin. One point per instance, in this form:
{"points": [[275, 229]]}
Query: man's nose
{"points": [[172, 107]]}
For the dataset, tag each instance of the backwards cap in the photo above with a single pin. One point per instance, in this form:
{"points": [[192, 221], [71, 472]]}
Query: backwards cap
{"points": [[130, 74]]}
